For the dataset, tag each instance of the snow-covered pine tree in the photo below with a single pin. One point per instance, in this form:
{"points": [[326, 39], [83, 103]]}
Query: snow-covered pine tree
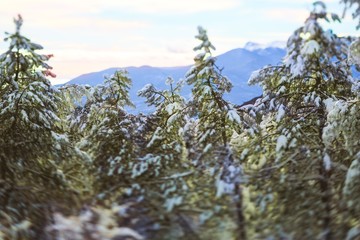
{"points": [[208, 87], [109, 130], [301, 167], [165, 145], [33, 146], [341, 132], [216, 122], [73, 110], [165, 156]]}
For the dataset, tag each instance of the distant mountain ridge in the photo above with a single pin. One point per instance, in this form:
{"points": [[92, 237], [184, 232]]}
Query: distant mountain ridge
{"points": [[237, 64], [251, 46]]}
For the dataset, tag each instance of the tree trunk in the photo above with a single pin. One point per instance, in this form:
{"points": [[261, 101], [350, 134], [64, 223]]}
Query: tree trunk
{"points": [[326, 201], [240, 213], [325, 185]]}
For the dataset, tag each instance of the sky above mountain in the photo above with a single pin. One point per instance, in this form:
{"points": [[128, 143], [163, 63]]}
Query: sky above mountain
{"points": [[91, 35]]}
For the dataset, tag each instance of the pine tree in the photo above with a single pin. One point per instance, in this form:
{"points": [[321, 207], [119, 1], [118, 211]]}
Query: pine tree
{"points": [[209, 85], [33, 146], [217, 121], [166, 141], [109, 130], [165, 148], [299, 164], [101, 127], [73, 110]]}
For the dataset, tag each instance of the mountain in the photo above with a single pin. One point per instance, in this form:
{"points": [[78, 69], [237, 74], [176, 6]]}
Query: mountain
{"points": [[237, 64], [254, 46]]}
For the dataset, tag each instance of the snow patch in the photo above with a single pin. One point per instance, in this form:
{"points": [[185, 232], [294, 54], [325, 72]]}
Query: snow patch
{"points": [[254, 77], [280, 113], [310, 47], [297, 67], [233, 116], [281, 142], [327, 162]]}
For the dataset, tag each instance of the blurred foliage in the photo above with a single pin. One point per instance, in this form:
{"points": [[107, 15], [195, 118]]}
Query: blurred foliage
{"points": [[74, 164]]}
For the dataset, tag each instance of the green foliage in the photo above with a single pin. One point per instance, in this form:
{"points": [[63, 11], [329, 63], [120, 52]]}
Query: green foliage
{"points": [[209, 85], [166, 143], [33, 145], [109, 130], [285, 167], [217, 122], [300, 159]]}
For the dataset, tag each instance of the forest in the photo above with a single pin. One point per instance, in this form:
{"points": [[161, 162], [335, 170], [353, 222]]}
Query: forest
{"points": [[74, 164]]}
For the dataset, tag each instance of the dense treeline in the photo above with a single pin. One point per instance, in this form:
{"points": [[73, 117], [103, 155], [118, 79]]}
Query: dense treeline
{"points": [[75, 165]]}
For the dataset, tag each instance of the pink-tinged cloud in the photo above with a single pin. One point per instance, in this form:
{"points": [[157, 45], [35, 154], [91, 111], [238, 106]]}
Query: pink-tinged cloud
{"points": [[139, 6], [91, 35]]}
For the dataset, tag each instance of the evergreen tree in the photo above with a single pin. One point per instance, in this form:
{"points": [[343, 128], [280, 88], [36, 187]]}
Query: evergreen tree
{"points": [[179, 172], [108, 138], [73, 110], [217, 121], [165, 157], [33, 146], [299, 177], [165, 145], [209, 86]]}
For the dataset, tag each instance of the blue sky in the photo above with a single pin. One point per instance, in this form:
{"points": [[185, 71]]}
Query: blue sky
{"points": [[91, 35]]}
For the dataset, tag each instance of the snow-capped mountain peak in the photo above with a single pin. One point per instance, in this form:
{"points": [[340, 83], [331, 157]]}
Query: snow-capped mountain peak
{"points": [[251, 46]]}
